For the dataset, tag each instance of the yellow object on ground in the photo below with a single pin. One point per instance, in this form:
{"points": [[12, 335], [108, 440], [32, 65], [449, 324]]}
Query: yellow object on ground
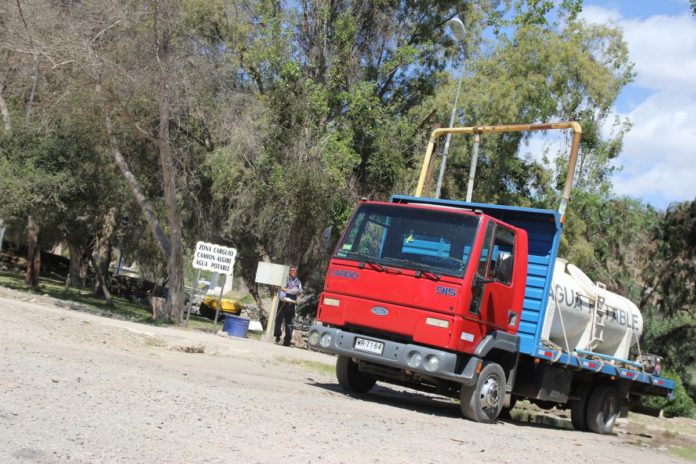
{"points": [[229, 305]]}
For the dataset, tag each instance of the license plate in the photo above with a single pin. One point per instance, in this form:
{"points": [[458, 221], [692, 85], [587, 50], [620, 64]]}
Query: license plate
{"points": [[369, 346]]}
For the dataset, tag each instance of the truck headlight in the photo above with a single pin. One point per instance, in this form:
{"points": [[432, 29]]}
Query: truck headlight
{"points": [[313, 338], [432, 363], [325, 340], [414, 359]]}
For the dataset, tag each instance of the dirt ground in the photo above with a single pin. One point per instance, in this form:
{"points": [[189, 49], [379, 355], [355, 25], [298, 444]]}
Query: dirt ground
{"points": [[79, 388]]}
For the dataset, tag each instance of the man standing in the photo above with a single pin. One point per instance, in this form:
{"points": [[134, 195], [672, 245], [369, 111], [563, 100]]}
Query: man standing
{"points": [[288, 300]]}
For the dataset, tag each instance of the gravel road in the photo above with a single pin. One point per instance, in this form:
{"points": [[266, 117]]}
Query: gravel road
{"points": [[80, 388]]}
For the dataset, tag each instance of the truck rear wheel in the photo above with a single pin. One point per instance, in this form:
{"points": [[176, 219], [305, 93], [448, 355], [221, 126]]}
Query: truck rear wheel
{"points": [[578, 407], [483, 401], [603, 408], [350, 378]]}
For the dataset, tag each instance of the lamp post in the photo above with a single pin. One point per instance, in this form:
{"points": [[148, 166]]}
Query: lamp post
{"points": [[457, 28]]}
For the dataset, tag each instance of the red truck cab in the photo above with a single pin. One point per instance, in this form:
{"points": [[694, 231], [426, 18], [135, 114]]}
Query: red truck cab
{"points": [[419, 294]]}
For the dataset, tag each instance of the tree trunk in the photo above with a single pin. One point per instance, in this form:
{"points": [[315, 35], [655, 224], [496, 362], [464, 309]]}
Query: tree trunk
{"points": [[175, 261], [101, 265], [75, 278], [169, 246], [254, 291], [103, 260], [101, 279], [84, 266], [134, 185], [31, 276]]}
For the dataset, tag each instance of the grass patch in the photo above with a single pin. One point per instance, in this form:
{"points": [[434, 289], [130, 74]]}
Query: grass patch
{"points": [[685, 452], [326, 369], [670, 428], [55, 289], [82, 300], [254, 335]]}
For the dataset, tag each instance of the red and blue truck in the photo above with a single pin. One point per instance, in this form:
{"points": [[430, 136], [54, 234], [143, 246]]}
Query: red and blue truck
{"points": [[470, 300]]}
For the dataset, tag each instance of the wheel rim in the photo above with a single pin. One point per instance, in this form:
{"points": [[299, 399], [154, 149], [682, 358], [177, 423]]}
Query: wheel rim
{"points": [[490, 393]]}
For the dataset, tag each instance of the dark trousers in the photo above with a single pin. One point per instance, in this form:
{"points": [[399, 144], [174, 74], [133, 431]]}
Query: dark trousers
{"points": [[285, 316]]}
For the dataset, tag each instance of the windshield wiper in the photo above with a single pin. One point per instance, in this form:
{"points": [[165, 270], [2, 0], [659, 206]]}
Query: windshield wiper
{"points": [[421, 270], [365, 260], [433, 275]]}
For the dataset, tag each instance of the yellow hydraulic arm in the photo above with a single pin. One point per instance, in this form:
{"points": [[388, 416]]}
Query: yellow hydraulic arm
{"points": [[572, 159]]}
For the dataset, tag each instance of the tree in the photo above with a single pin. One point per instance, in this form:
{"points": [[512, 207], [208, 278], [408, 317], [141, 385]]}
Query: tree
{"points": [[669, 292]]}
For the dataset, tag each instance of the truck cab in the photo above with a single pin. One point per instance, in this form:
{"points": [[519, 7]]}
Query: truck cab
{"points": [[418, 294]]}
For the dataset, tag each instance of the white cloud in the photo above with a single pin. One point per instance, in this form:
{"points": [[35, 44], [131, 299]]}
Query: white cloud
{"points": [[598, 15], [663, 49], [659, 154]]}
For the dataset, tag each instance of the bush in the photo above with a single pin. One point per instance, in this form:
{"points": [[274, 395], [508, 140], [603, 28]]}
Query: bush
{"points": [[682, 405]]}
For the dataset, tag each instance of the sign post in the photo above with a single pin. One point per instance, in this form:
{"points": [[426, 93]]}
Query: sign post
{"points": [[215, 258], [275, 275]]}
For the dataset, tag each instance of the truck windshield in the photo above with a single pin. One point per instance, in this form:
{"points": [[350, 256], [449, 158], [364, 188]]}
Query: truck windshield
{"points": [[427, 240]]}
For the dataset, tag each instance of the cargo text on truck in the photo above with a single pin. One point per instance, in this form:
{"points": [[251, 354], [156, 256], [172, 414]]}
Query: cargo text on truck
{"points": [[472, 300]]}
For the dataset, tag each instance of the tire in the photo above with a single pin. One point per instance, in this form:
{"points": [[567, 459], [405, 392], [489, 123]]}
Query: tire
{"points": [[578, 408], [603, 407], [350, 378], [483, 401]]}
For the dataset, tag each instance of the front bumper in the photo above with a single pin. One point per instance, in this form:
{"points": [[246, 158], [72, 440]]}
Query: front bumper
{"points": [[394, 354]]}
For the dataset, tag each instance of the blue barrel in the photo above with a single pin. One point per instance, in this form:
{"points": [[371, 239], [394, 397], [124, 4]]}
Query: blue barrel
{"points": [[236, 326]]}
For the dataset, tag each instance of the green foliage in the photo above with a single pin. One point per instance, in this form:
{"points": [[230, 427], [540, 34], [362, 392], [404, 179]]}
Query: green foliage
{"points": [[673, 279], [682, 405], [668, 297]]}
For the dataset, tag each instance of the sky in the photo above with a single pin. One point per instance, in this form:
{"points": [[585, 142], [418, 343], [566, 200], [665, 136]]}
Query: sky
{"points": [[659, 152]]}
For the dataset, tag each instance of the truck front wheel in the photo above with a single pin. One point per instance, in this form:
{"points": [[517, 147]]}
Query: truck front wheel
{"points": [[603, 408], [483, 401], [350, 378]]}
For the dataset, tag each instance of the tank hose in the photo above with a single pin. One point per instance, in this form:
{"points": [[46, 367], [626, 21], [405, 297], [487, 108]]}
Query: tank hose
{"points": [[560, 316]]}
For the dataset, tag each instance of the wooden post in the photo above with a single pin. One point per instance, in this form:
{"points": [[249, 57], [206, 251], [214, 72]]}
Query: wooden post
{"points": [[271, 318], [219, 302]]}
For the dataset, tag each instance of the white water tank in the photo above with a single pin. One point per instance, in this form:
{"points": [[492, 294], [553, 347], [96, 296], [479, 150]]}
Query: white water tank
{"points": [[581, 315]]}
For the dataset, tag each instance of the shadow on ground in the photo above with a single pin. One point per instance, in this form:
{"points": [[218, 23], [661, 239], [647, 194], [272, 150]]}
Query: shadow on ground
{"points": [[526, 416]]}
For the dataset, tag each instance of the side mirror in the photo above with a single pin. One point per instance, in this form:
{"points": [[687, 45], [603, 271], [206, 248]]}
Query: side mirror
{"points": [[505, 267], [326, 239]]}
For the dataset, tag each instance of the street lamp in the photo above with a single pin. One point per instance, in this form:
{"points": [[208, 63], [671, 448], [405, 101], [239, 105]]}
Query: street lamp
{"points": [[457, 28]]}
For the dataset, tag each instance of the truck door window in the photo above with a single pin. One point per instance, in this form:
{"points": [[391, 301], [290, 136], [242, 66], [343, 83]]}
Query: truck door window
{"points": [[500, 267], [495, 263]]}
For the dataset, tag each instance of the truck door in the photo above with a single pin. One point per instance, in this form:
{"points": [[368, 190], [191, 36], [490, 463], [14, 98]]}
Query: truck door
{"points": [[492, 290]]}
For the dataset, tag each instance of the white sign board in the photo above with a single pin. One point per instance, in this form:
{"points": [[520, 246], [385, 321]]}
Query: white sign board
{"points": [[272, 274], [216, 258]]}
